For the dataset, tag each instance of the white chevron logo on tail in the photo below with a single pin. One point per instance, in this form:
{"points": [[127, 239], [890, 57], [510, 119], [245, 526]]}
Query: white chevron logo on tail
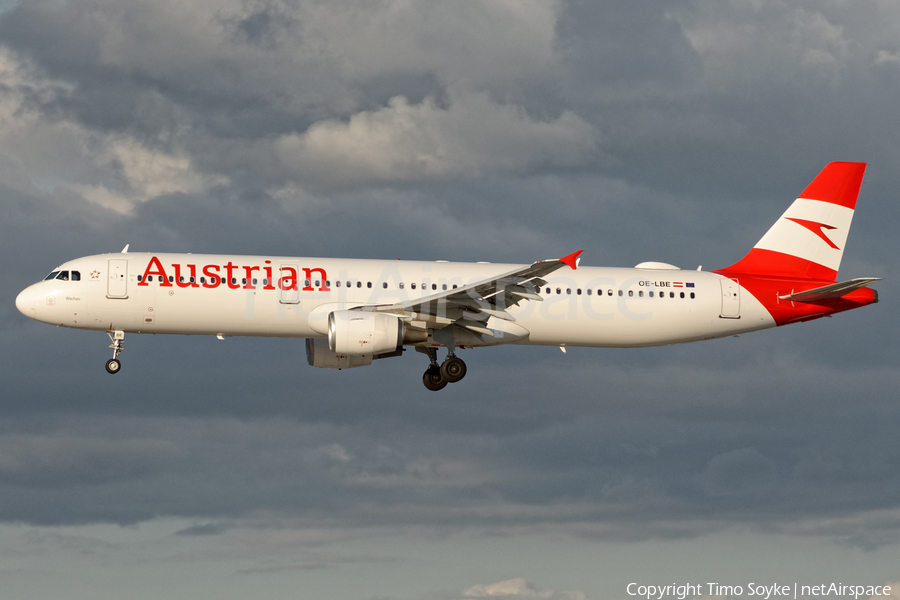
{"points": [[792, 235]]}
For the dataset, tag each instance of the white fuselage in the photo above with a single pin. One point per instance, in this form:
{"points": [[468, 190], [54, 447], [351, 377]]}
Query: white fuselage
{"points": [[241, 296]]}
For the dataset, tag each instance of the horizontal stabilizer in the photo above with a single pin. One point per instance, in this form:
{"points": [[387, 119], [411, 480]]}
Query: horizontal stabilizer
{"points": [[830, 292]]}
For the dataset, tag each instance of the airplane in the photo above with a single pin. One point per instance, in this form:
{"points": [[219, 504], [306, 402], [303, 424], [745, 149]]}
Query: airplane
{"points": [[354, 311]]}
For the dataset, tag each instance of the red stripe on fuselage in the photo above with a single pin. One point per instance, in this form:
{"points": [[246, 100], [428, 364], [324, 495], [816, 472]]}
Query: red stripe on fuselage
{"points": [[778, 264]]}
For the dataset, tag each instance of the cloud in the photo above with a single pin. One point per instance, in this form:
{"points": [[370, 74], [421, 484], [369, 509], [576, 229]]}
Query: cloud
{"points": [[43, 154], [518, 589], [738, 472], [471, 137], [883, 57], [144, 174], [60, 462], [773, 39], [184, 115]]}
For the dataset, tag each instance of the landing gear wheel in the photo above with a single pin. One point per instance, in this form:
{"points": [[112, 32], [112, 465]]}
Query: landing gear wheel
{"points": [[453, 369], [433, 379], [117, 337]]}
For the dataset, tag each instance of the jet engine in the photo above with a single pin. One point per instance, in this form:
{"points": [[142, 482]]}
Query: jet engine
{"points": [[357, 332], [319, 355]]}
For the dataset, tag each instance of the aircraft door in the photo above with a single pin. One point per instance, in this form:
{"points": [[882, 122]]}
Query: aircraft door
{"points": [[731, 299], [117, 283], [289, 284]]}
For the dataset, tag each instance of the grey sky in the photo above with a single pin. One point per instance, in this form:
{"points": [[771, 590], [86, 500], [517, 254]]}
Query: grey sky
{"points": [[506, 131]]}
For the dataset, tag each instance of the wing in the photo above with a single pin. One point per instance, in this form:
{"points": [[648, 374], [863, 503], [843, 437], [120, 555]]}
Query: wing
{"points": [[470, 306]]}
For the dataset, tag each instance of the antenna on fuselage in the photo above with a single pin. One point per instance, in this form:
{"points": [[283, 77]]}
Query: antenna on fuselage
{"points": [[125, 249]]}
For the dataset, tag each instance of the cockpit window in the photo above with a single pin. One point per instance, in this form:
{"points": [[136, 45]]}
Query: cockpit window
{"points": [[76, 276], [63, 276], [51, 276]]}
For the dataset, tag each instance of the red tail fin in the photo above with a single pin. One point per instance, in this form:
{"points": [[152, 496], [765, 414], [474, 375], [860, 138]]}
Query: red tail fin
{"points": [[807, 242]]}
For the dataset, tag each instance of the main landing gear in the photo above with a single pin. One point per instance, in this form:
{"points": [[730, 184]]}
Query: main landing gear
{"points": [[118, 341], [450, 371]]}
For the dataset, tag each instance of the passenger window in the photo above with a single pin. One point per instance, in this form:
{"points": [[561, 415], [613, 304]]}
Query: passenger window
{"points": [[641, 294], [243, 281], [139, 277], [692, 295], [252, 280], [369, 284], [171, 279], [609, 293], [224, 281], [401, 285], [621, 293], [359, 284], [588, 292], [384, 285], [327, 283], [631, 292], [578, 291], [454, 286], [76, 276], [413, 286], [682, 294], [444, 286], [671, 294], [202, 279], [51, 276], [434, 286], [569, 291], [337, 283], [650, 294], [548, 290], [558, 291], [181, 279]]}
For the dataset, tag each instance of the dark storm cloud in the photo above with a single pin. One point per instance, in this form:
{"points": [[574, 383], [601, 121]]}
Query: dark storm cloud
{"points": [[686, 451], [636, 131], [731, 99]]}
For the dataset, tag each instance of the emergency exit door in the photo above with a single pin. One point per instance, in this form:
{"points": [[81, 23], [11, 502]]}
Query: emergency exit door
{"points": [[731, 299], [117, 283], [289, 284]]}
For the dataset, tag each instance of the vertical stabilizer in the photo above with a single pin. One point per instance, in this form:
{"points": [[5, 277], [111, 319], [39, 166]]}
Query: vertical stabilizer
{"points": [[807, 242]]}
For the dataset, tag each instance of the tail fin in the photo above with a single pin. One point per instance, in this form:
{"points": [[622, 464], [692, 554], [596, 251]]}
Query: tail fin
{"points": [[807, 242]]}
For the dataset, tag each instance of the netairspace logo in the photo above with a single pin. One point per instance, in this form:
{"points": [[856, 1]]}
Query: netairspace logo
{"points": [[758, 591]]}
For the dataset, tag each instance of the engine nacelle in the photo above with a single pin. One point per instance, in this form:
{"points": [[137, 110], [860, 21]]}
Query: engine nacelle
{"points": [[319, 355], [358, 332]]}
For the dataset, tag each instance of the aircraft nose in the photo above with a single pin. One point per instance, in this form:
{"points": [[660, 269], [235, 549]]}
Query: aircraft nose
{"points": [[26, 301]]}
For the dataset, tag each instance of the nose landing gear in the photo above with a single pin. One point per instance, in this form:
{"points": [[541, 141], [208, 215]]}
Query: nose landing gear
{"points": [[450, 371], [118, 341]]}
